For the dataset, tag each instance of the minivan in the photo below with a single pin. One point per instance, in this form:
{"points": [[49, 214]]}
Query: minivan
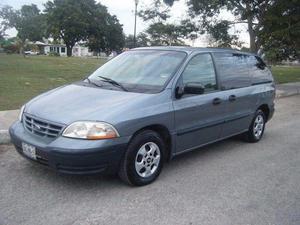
{"points": [[145, 106]]}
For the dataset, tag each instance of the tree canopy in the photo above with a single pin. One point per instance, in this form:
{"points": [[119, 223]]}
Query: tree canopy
{"points": [[142, 40], [84, 20], [271, 24], [69, 20], [165, 34], [281, 31], [28, 21]]}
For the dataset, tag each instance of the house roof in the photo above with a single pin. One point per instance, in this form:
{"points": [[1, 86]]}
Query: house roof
{"points": [[39, 43]]}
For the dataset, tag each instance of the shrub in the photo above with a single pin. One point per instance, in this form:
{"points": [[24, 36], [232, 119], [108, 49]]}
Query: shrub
{"points": [[53, 54]]}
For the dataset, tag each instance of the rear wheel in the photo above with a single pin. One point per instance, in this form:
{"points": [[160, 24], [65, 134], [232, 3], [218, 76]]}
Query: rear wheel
{"points": [[257, 127], [143, 159]]}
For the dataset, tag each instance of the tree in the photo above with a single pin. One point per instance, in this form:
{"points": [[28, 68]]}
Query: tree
{"points": [[160, 31], [30, 24], [156, 12], [165, 34], [219, 36], [142, 40], [281, 30], [28, 21], [2, 31], [6, 14], [69, 20], [106, 32], [84, 20], [252, 13], [115, 38]]}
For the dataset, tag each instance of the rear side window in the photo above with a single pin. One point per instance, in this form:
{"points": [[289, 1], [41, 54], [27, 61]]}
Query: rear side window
{"points": [[200, 69], [233, 70], [259, 71]]}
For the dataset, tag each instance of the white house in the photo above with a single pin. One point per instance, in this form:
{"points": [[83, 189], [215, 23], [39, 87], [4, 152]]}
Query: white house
{"points": [[81, 51], [61, 49]]}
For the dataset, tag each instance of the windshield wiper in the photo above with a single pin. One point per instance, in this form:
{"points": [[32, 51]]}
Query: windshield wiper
{"points": [[113, 82], [91, 82]]}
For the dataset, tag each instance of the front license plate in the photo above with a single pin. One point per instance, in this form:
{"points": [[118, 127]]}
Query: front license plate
{"points": [[29, 150]]}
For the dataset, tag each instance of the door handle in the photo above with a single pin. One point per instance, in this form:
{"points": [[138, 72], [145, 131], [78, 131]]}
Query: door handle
{"points": [[217, 101], [232, 98]]}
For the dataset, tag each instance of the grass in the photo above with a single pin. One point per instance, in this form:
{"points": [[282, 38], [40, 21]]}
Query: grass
{"points": [[23, 78], [286, 74]]}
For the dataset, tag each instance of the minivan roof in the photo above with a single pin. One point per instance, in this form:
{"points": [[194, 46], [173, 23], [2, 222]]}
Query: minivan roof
{"points": [[189, 50]]}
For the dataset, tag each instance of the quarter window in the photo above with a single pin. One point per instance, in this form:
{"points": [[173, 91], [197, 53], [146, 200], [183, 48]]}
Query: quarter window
{"points": [[259, 71], [200, 69]]}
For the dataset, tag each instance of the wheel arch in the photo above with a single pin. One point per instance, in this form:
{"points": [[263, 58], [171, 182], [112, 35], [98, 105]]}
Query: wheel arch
{"points": [[164, 132], [266, 110]]}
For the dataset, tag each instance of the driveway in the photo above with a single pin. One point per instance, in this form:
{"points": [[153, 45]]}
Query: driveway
{"points": [[230, 182]]}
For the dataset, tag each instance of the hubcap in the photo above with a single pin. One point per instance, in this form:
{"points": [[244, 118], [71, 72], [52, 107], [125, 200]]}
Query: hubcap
{"points": [[147, 159], [258, 126]]}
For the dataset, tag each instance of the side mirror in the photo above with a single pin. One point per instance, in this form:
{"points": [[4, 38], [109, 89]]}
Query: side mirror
{"points": [[194, 88], [190, 88]]}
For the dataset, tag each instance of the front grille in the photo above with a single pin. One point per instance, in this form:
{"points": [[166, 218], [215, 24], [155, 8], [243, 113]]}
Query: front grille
{"points": [[41, 127]]}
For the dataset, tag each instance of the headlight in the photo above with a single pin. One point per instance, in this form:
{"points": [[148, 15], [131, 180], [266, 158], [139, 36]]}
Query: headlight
{"points": [[90, 130], [21, 113]]}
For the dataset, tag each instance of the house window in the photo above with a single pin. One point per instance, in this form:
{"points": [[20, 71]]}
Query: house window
{"points": [[51, 49], [63, 50]]}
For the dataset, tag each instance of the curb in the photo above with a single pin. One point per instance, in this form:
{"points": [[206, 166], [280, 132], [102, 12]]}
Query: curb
{"points": [[287, 94], [4, 137]]}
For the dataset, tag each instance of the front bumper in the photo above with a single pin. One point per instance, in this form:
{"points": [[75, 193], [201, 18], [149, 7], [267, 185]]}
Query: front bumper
{"points": [[72, 156]]}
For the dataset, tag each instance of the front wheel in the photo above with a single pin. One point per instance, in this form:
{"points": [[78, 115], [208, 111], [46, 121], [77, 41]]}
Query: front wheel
{"points": [[257, 127], [143, 159]]}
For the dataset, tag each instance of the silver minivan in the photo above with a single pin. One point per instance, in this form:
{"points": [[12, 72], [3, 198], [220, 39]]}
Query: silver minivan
{"points": [[144, 107]]}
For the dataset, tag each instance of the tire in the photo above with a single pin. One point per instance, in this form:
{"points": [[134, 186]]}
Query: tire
{"points": [[143, 160], [257, 127]]}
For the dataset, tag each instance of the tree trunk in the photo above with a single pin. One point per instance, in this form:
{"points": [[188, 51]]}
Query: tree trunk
{"points": [[253, 46], [21, 49], [69, 50]]}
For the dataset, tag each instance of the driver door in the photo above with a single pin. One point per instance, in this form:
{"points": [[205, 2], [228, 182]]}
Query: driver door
{"points": [[199, 117]]}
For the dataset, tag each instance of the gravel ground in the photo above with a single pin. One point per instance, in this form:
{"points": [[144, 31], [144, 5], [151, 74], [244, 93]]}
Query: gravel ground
{"points": [[230, 182]]}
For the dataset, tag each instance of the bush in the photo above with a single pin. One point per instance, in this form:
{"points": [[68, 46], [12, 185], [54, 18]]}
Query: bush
{"points": [[53, 54], [11, 48]]}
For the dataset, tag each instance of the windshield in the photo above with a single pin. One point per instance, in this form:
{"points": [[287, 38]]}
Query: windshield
{"points": [[141, 70]]}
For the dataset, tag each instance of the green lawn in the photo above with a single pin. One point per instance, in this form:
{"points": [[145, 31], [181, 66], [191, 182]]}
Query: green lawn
{"points": [[23, 78], [286, 74]]}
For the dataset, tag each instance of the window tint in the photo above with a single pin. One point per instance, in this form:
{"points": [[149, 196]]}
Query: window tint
{"points": [[233, 70], [200, 69], [259, 71]]}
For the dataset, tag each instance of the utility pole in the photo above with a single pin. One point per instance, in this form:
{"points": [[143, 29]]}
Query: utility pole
{"points": [[135, 15]]}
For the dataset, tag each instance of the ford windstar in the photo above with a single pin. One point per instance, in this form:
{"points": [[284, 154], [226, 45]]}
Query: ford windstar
{"points": [[144, 107]]}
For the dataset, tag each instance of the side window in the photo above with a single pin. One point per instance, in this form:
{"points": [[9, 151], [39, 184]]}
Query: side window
{"points": [[259, 71], [233, 70], [200, 69]]}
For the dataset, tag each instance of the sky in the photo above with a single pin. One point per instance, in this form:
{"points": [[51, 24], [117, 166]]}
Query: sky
{"points": [[124, 10]]}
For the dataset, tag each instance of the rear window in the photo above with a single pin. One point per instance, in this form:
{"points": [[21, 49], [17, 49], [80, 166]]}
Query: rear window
{"points": [[233, 70]]}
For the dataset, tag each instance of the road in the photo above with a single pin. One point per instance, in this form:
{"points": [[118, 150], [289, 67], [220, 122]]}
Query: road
{"points": [[230, 182]]}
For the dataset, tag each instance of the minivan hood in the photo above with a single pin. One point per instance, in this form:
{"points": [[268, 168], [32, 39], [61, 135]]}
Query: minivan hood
{"points": [[77, 102]]}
